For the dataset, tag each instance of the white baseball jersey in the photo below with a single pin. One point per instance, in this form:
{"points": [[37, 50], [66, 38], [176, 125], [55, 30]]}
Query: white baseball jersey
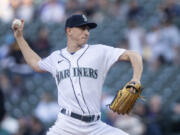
{"points": [[80, 76]]}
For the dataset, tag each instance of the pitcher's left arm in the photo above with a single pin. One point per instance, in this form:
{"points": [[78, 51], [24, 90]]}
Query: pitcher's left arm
{"points": [[136, 62]]}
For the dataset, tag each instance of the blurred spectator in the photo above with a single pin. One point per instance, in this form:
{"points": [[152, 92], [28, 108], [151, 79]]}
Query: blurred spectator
{"points": [[154, 45], [135, 36], [72, 6], [5, 14], [96, 10], [130, 124], [11, 57], [171, 9], [164, 44], [16, 53], [140, 110], [103, 10], [155, 116], [90, 8], [5, 84], [15, 5], [135, 11], [5, 50], [120, 10], [35, 127], [5, 47], [171, 42], [23, 126], [104, 6], [47, 109], [42, 45], [18, 89], [18, 65], [8, 9], [52, 11], [175, 118], [10, 124], [2, 114], [26, 10]]}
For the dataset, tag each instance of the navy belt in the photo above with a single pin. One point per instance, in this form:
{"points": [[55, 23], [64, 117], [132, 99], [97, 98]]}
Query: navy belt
{"points": [[89, 118]]}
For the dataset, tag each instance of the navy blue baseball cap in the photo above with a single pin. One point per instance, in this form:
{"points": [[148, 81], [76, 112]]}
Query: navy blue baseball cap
{"points": [[79, 20]]}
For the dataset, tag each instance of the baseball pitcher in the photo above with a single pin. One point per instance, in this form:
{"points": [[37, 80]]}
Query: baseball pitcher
{"points": [[79, 71]]}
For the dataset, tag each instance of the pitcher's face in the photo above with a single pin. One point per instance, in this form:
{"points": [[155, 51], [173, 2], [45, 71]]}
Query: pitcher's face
{"points": [[79, 35]]}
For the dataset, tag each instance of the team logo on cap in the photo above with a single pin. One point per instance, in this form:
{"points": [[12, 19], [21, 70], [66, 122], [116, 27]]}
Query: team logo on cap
{"points": [[85, 18]]}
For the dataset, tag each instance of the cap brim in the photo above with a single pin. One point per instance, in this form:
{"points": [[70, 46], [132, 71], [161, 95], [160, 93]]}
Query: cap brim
{"points": [[89, 24]]}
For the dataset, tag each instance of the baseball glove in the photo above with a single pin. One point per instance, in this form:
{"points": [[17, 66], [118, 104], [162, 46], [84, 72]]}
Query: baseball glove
{"points": [[126, 98]]}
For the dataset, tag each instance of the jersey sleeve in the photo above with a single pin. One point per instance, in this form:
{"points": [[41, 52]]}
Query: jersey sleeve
{"points": [[46, 64], [111, 55]]}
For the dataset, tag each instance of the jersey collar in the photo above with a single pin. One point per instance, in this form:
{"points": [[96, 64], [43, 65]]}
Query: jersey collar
{"points": [[76, 55]]}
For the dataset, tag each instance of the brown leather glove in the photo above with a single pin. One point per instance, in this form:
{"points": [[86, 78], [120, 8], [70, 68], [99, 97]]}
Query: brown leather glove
{"points": [[126, 98]]}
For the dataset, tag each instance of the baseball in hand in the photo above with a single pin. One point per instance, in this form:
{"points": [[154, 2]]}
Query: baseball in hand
{"points": [[16, 23]]}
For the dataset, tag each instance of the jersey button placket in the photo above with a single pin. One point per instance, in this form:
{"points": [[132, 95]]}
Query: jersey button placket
{"points": [[76, 84]]}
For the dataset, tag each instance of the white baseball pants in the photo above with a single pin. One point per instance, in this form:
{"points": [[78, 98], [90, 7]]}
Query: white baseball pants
{"points": [[66, 125]]}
